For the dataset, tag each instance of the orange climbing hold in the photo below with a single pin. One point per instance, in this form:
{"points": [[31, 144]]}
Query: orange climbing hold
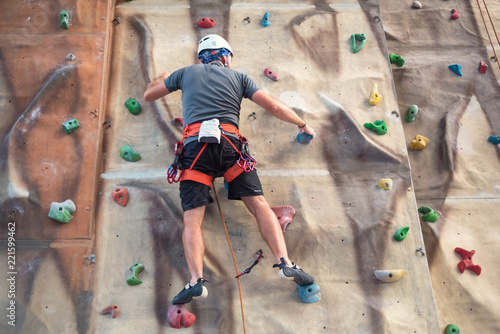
{"points": [[285, 214], [178, 315], [206, 23], [120, 196], [111, 309]]}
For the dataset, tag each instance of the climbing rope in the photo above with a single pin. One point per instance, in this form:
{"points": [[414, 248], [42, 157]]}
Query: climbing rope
{"points": [[487, 31], [232, 254]]}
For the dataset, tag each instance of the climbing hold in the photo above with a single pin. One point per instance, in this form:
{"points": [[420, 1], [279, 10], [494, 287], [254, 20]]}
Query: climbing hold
{"points": [[456, 68], [494, 140], [265, 20], [133, 106], [417, 5], [454, 14], [378, 126], [389, 276], [385, 184], [419, 143], [429, 215], [483, 67], [64, 19], [70, 126], [309, 293], [129, 154], [466, 262], [206, 23], [395, 59], [270, 74], [401, 233], [136, 270], [111, 309], [304, 138], [70, 57], [284, 213], [178, 315], [62, 211], [374, 95], [120, 196], [421, 250], [179, 120], [246, 20], [412, 113], [451, 329], [361, 38]]}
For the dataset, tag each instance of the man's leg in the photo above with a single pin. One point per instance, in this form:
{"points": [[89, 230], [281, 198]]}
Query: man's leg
{"points": [[192, 239]]}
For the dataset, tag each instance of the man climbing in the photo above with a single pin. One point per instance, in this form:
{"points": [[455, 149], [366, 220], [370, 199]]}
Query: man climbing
{"points": [[212, 147]]}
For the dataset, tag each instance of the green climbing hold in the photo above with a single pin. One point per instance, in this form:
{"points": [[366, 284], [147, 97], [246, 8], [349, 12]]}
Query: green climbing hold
{"points": [[395, 59], [129, 154], [361, 38], [412, 113], [429, 214], [70, 125], [378, 126], [64, 19], [62, 211], [136, 270], [401, 233], [133, 106], [452, 329]]}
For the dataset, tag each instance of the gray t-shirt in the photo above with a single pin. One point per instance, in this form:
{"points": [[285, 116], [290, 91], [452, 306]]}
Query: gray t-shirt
{"points": [[211, 91]]}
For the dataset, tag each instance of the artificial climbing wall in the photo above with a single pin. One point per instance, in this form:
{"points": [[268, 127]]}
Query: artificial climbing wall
{"points": [[344, 224]]}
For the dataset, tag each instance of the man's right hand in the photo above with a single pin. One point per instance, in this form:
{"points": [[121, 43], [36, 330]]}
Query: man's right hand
{"points": [[310, 131]]}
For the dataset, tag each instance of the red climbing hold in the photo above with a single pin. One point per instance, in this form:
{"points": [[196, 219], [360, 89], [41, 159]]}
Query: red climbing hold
{"points": [[206, 23], [466, 262], [111, 309], [454, 14], [178, 315], [270, 74], [179, 120], [120, 196], [285, 214], [483, 67]]}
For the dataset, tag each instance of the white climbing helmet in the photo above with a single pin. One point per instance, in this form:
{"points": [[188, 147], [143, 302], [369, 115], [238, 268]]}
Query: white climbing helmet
{"points": [[213, 42]]}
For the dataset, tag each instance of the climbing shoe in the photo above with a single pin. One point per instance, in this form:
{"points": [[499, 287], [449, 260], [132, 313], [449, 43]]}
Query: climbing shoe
{"points": [[191, 291], [294, 272]]}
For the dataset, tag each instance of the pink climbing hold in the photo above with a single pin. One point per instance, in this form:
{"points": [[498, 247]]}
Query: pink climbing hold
{"points": [[178, 315], [483, 67], [120, 195], [454, 14], [285, 214], [466, 262], [206, 23], [179, 120], [111, 309], [270, 74]]}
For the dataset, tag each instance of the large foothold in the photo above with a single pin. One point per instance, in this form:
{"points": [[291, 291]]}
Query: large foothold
{"points": [[304, 138], [483, 67], [389, 276], [429, 215], [395, 59], [419, 143], [177, 315], [111, 309], [120, 196], [401, 233], [265, 20], [451, 329], [62, 211], [309, 293], [466, 262], [133, 106], [129, 154], [284, 213], [454, 14], [64, 19], [70, 126], [412, 113], [378, 126], [494, 140], [361, 38], [136, 270], [385, 184], [374, 95], [457, 69], [270, 74], [206, 23]]}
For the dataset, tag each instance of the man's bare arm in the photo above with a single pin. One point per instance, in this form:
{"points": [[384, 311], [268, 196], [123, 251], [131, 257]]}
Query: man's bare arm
{"points": [[156, 89]]}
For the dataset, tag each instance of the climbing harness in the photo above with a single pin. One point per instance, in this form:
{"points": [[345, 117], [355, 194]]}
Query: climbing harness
{"points": [[247, 271]]}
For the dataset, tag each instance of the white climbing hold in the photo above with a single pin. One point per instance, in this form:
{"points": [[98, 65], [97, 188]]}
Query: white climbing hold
{"points": [[417, 4], [389, 276]]}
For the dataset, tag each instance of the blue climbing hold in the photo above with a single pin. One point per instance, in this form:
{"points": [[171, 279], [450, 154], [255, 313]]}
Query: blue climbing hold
{"points": [[456, 68], [309, 293], [304, 138], [265, 20], [494, 140]]}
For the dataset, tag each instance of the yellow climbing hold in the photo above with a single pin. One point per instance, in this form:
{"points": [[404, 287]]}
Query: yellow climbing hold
{"points": [[385, 184], [419, 143], [390, 276], [374, 95]]}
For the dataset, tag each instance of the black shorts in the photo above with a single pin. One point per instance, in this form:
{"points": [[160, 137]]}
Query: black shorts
{"points": [[215, 160]]}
